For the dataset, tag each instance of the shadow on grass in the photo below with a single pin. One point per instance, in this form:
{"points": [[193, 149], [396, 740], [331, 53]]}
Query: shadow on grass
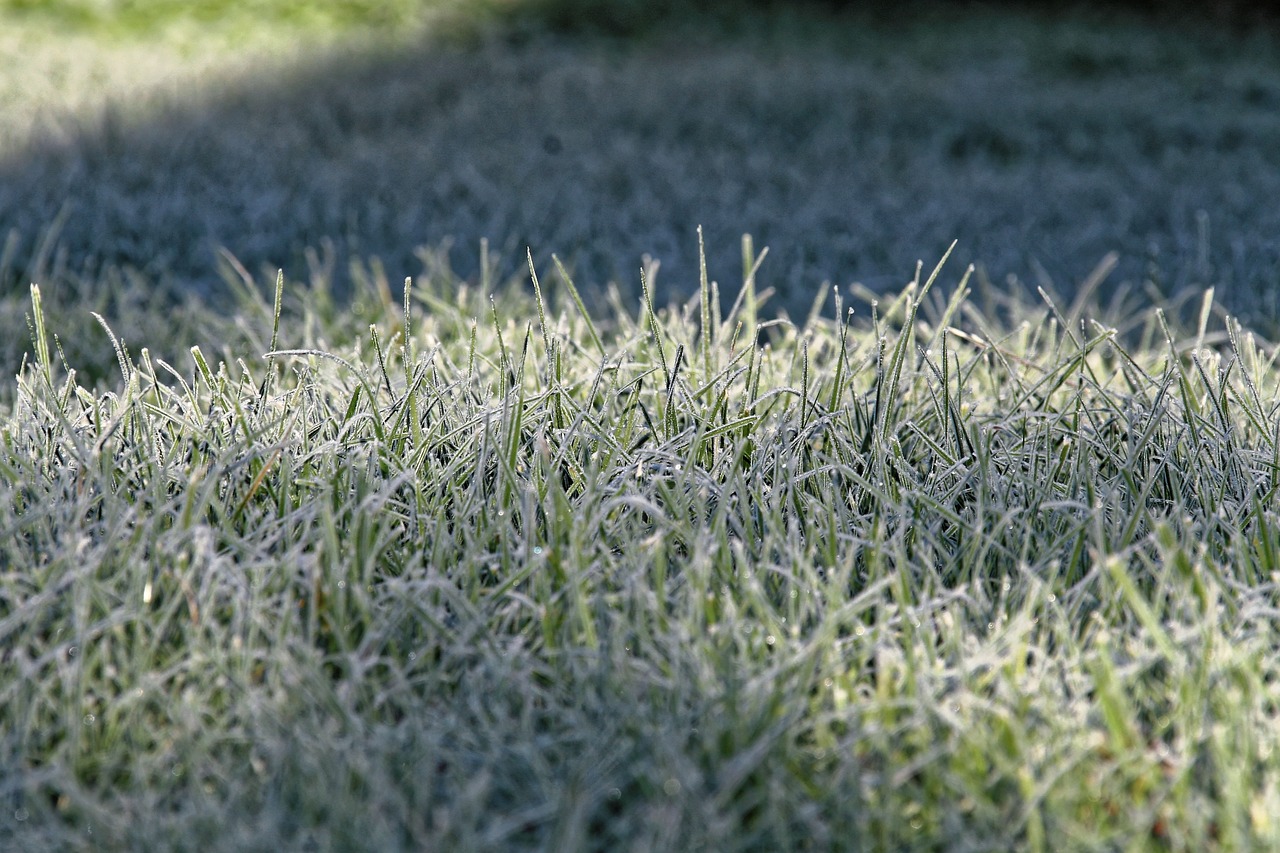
{"points": [[851, 144]]}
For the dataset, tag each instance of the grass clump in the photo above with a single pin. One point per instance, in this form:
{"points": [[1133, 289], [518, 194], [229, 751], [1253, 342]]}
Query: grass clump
{"points": [[464, 572]]}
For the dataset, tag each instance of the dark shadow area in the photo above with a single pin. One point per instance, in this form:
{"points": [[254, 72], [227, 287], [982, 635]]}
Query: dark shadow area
{"points": [[850, 143], [632, 17]]}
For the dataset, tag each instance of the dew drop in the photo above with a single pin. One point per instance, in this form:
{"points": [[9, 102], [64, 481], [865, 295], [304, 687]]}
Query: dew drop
{"points": [[72, 651], [537, 550], [770, 640], [671, 787], [615, 794], [21, 815], [90, 719], [342, 584], [413, 656]]}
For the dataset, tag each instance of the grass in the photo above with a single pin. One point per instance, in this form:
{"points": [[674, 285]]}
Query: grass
{"points": [[142, 18], [479, 570], [851, 143], [511, 563]]}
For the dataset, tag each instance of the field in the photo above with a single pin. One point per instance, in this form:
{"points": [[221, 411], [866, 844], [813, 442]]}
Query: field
{"points": [[504, 553]]}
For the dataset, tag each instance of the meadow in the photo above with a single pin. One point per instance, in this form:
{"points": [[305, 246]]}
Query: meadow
{"points": [[494, 558]]}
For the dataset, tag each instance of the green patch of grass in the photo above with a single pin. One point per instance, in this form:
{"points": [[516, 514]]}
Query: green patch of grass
{"points": [[149, 16], [467, 573]]}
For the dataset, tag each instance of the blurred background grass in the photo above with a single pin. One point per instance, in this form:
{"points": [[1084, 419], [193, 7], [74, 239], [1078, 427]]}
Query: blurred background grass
{"points": [[617, 16], [147, 16], [852, 138]]}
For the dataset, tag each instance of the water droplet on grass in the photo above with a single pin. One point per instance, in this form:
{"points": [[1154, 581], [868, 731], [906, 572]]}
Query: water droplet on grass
{"points": [[671, 787], [90, 719], [21, 815], [537, 550]]}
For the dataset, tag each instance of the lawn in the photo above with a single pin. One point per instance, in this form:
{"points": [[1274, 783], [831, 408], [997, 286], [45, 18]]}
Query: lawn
{"points": [[499, 558], [851, 145]]}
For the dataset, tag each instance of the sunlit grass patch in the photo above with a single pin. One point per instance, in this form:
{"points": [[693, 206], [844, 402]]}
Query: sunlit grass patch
{"points": [[143, 17], [476, 570]]}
